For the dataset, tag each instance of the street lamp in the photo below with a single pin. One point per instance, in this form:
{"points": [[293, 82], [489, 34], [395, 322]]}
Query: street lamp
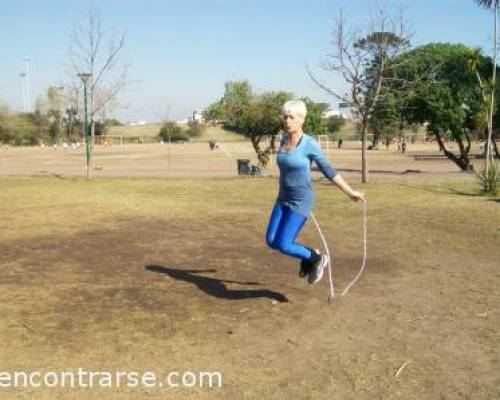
{"points": [[85, 78], [23, 77], [27, 76]]}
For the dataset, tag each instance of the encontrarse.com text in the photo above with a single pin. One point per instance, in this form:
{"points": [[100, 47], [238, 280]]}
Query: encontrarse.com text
{"points": [[93, 379]]}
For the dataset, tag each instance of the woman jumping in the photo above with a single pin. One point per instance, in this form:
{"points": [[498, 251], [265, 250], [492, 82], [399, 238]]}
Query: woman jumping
{"points": [[296, 197]]}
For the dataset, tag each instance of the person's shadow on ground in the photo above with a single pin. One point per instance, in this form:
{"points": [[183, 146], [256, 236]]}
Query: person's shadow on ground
{"points": [[216, 287]]}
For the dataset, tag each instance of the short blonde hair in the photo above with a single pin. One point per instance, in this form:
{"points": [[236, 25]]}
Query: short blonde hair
{"points": [[295, 106]]}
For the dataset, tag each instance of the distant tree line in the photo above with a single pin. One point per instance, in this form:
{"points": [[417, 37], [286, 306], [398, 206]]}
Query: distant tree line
{"points": [[53, 121]]}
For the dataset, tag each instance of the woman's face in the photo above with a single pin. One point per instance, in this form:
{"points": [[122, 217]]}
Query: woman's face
{"points": [[292, 123]]}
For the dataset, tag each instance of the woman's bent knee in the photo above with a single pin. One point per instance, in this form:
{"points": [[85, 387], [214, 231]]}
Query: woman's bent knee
{"points": [[283, 247]]}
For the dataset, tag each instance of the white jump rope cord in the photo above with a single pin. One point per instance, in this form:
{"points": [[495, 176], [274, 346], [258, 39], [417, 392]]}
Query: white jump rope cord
{"points": [[330, 259]]}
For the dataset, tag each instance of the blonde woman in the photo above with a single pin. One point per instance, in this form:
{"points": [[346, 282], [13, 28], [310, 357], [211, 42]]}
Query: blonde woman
{"points": [[295, 200]]}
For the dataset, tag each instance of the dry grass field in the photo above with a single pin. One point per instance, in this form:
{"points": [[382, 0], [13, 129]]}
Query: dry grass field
{"points": [[161, 275], [132, 272]]}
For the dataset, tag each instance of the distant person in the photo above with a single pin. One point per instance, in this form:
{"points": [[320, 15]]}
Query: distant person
{"points": [[296, 197], [340, 144], [403, 147]]}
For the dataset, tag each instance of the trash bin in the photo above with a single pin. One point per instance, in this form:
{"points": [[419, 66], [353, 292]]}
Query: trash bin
{"points": [[255, 170], [243, 166]]}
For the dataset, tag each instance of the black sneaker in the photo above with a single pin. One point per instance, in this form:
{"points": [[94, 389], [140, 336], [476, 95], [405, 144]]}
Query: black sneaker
{"points": [[305, 268], [317, 269]]}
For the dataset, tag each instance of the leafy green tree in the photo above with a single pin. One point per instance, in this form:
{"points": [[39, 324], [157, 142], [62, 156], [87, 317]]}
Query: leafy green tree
{"points": [[236, 102], [214, 112], [48, 116], [259, 116], [314, 122], [18, 129], [386, 119], [41, 124], [255, 116], [263, 119], [448, 101], [335, 123]]}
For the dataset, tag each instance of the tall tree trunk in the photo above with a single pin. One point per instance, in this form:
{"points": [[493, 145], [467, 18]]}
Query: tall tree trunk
{"points": [[462, 161], [376, 137], [273, 143], [262, 155], [492, 101], [364, 161]]}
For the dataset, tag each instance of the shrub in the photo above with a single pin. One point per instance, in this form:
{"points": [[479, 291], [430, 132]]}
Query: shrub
{"points": [[489, 181], [171, 131], [195, 129]]}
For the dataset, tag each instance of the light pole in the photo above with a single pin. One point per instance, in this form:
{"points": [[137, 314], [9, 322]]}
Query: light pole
{"points": [[27, 75], [85, 77], [23, 87]]}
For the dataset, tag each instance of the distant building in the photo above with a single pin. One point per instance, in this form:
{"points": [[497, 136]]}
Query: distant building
{"points": [[197, 116], [137, 123], [336, 113]]}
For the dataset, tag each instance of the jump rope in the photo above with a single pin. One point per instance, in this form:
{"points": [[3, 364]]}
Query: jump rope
{"points": [[331, 262]]}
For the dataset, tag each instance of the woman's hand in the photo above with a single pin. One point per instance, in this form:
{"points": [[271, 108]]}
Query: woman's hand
{"points": [[357, 197], [354, 195]]}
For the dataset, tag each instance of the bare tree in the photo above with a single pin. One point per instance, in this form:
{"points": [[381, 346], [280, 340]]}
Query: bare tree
{"points": [[88, 53], [106, 111], [366, 60], [73, 110]]}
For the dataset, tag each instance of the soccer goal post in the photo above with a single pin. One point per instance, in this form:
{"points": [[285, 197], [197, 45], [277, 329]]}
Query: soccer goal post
{"points": [[324, 142]]}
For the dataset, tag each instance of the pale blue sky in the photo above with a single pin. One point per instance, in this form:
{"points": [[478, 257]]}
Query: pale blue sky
{"points": [[182, 52]]}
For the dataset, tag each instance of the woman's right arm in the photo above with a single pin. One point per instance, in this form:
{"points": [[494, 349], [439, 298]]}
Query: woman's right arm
{"points": [[344, 186]]}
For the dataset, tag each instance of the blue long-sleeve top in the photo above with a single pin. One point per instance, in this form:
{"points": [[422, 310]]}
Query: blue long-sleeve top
{"points": [[296, 189]]}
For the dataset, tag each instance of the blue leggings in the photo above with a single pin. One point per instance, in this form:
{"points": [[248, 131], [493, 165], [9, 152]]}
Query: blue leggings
{"points": [[284, 226]]}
